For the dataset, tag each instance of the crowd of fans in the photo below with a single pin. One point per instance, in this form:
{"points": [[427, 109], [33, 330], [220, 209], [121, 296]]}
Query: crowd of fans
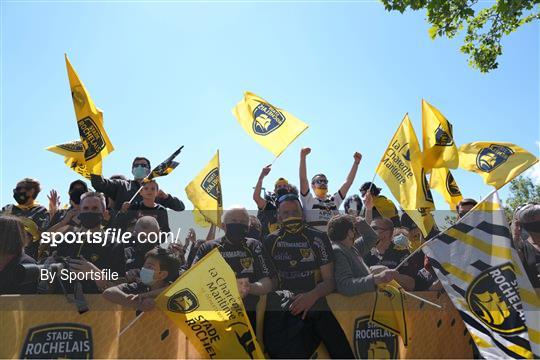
{"points": [[299, 248]]}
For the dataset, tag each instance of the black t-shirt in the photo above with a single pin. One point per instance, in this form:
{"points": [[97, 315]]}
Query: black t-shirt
{"points": [[111, 256], [268, 218], [248, 260], [138, 210], [8, 283], [298, 257], [391, 258]]}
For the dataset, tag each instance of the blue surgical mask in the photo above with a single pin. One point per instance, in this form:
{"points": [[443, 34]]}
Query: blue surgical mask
{"points": [[147, 276], [139, 172], [401, 241]]}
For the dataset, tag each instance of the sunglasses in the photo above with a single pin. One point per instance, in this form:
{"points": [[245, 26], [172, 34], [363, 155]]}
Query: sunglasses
{"points": [[376, 228], [320, 182], [287, 197]]}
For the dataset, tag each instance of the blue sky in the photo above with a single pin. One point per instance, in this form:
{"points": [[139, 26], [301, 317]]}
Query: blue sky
{"points": [[168, 74]]}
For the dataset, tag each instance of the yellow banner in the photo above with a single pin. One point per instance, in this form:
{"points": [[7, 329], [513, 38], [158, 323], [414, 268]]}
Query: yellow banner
{"points": [[442, 180], [438, 139], [497, 162], [423, 219], [205, 304], [268, 125], [94, 139], [401, 169]]}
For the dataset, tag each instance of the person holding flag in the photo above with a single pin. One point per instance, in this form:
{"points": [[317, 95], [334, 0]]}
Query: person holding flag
{"points": [[320, 208], [123, 190]]}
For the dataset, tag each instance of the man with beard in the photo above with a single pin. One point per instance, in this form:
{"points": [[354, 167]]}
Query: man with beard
{"points": [[297, 317], [245, 256], [34, 216]]}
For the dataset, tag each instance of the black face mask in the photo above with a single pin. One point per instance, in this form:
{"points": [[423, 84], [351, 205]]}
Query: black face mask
{"points": [[254, 233], [236, 233], [532, 227], [75, 196], [90, 220], [281, 191], [20, 196], [293, 225]]}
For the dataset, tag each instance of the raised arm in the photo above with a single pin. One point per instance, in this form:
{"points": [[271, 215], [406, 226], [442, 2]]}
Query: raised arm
{"points": [[261, 203], [352, 174], [304, 184]]}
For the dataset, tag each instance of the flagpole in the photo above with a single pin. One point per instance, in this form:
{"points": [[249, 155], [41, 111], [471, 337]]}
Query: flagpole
{"points": [[130, 324], [443, 231], [422, 299]]}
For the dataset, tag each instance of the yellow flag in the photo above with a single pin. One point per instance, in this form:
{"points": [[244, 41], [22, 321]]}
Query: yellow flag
{"points": [[401, 169], [268, 125], [438, 139], [423, 219], [441, 179], [200, 219], [388, 311], [73, 156], [497, 162], [205, 191], [206, 305], [94, 139]]}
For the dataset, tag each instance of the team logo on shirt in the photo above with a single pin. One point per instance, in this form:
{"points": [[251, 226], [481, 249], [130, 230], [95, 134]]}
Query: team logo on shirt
{"points": [[307, 255], [212, 186], [266, 119], [184, 301], [293, 262], [247, 264], [244, 337], [490, 158], [451, 185], [442, 138], [91, 137], [58, 340], [93, 258], [373, 342], [494, 299]]}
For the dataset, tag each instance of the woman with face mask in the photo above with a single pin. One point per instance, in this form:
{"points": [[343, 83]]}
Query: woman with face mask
{"points": [[37, 217]]}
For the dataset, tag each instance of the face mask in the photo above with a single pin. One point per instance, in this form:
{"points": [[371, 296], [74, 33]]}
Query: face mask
{"points": [[532, 227], [147, 276], [139, 172], [236, 233], [401, 241], [20, 197], [90, 220], [254, 233], [75, 196], [321, 192], [293, 225], [281, 191]]}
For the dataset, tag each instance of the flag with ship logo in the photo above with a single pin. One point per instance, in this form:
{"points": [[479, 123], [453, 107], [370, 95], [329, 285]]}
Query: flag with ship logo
{"points": [[443, 181], [94, 139], [271, 127], [205, 304], [484, 277], [73, 153], [205, 191], [497, 162], [437, 139]]}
